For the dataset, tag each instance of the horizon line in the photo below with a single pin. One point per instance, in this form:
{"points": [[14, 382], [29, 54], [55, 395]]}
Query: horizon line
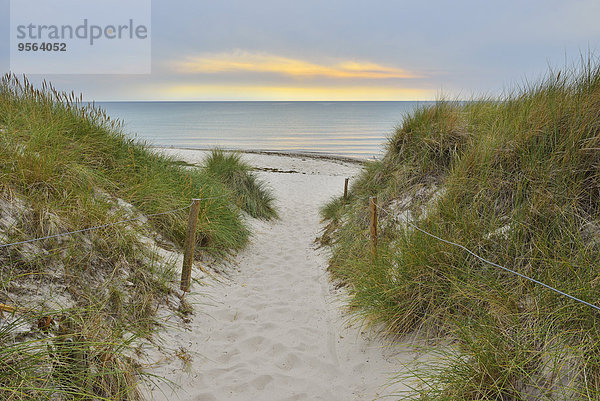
{"points": [[259, 101]]}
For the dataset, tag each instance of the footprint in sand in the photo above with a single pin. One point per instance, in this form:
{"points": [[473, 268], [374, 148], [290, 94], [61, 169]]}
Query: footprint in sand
{"points": [[275, 328]]}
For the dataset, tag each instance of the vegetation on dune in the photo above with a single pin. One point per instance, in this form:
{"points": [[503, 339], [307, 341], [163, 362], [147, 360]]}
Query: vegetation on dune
{"points": [[66, 166], [517, 181], [252, 195]]}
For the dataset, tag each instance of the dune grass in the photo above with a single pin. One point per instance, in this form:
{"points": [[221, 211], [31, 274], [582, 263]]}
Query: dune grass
{"points": [[251, 194], [517, 181], [65, 166]]}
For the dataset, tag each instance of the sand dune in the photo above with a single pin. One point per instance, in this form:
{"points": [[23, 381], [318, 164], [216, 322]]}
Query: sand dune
{"points": [[275, 329]]}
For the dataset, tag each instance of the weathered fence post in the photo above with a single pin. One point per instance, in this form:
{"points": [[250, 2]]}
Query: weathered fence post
{"points": [[346, 189], [6, 308], [373, 213], [189, 246]]}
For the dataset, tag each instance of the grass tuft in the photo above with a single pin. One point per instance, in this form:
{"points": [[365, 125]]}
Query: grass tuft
{"points": [[252, 195]]}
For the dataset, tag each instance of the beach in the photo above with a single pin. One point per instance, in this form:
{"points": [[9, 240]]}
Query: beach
{"points": [[271, 325]]}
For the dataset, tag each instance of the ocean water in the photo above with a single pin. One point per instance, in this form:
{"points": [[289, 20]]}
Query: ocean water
{"points": [[351, 129]]}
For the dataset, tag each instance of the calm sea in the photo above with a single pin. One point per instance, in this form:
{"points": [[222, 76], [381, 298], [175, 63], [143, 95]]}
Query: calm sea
{"points": [[354, 129]]}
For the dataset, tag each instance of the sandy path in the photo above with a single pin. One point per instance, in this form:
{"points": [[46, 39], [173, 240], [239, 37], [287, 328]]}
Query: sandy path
{"points": [[275, 330]]}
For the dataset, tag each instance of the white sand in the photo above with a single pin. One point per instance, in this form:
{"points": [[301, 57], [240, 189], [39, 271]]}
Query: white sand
{"points": [[275, 329]]}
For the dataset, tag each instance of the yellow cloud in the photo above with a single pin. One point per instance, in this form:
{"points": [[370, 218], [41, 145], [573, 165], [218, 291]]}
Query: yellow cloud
{"points": [[256, 92], [266, 63]]}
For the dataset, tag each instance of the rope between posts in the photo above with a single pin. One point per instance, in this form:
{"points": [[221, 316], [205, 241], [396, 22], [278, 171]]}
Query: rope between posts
{"points": [[209, 198], [99, 227], [495, 264]]}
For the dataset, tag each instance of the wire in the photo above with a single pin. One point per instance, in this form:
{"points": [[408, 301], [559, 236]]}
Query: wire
{"points": [[212, 197], [107, 225], [495, 264]]}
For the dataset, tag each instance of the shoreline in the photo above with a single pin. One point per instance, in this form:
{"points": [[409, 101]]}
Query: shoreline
{"points": [[310, 155]]}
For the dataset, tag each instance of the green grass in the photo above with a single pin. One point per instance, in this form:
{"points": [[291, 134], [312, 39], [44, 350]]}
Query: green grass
{"points": [[70, 364], [517, 181], [63, 166], [251, 194]]}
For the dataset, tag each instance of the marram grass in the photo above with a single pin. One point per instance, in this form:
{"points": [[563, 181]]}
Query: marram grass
{"points": [[65, 166], [251, 194], [516, 180]]}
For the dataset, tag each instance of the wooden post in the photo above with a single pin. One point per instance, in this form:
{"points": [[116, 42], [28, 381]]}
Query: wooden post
{"points": [[189, 246], [373, 213], [6, 308], [346, 189]]}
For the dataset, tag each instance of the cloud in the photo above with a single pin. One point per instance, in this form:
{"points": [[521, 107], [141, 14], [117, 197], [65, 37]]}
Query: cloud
{"points": [[241, 61], [290, 92]]}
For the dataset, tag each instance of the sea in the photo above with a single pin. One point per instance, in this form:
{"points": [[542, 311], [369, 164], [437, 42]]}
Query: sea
{"points": [[348, 129]]}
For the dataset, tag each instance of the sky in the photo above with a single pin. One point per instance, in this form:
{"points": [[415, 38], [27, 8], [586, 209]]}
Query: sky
{"points": [[343, 50]]}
